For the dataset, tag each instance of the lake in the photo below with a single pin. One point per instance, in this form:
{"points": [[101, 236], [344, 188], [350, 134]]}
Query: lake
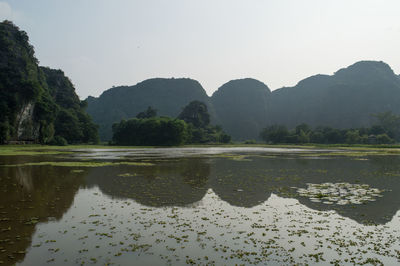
{"points": [[179, 206]]}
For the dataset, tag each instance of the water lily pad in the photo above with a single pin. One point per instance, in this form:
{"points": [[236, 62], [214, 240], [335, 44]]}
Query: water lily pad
{"points": [[340, 193]]}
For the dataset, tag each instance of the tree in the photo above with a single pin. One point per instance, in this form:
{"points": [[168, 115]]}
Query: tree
{"points": [[159, 131], [150, 112], [274, 134], [303, 127], [224, 138], [195, 113], [390, 123], [4, 131], [303, 137], [317, 137], [67, 126], [384, 139], [352, 137]]}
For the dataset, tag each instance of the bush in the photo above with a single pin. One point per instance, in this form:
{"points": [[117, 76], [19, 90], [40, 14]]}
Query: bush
{"points": [[58, 141], [384, 139], [150, 131], [224, 138]]}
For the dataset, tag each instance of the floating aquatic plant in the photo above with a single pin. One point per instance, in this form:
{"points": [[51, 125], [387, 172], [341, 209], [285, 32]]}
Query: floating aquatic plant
{"points": [[80, 164], [340, 193]]}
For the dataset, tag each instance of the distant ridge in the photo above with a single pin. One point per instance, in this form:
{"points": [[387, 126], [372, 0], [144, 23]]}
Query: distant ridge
{"points": [[243, 107], [344, 100]]}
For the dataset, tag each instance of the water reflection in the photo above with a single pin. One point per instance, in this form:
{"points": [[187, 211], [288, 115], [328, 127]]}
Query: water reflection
{"points": [[167, 183], [249, 182], [34, 194], [30, 195]]}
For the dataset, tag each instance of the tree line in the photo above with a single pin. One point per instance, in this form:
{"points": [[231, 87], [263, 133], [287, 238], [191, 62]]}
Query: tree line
{"points": [[386, 130], [147, 129]]}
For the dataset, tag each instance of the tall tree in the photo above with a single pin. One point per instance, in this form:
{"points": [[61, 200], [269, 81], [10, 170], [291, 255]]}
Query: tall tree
{"points": [[149, 113], [195, 113], [390, 123]]}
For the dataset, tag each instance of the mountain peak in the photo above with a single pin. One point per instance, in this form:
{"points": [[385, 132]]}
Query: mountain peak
{"points": [[366, 69], [243, 85]]}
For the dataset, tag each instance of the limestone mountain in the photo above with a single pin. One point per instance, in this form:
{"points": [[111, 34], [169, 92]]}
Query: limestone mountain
{"points": [[344, 100], [167, 96], [242, 107], [36, 103]]}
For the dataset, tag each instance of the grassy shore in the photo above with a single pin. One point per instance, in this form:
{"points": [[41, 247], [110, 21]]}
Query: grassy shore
{"points": [[36, 149]]}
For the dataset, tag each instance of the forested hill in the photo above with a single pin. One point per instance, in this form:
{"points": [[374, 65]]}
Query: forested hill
{"points": [[167, 96], [243, 107], [344, 100], [37, 104]]}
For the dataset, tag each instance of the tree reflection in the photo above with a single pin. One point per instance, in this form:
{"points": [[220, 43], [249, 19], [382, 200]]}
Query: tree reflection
{"points": [[30, 195]]}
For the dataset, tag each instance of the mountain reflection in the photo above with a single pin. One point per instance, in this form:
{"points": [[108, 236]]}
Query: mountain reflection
{"points": [[248, 183], [175, 183], [30, 195]]}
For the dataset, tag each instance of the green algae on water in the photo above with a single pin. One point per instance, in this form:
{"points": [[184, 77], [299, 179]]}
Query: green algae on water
{"points": [[80, 164], [127, 175], [77, 171]]}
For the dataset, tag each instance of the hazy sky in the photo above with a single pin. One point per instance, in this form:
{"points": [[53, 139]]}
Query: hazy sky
{"points": [[101, 43]]}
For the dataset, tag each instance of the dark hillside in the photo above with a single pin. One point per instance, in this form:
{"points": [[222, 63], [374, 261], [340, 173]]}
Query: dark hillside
{"points": [[345, 100], [242, 107], [167, 96]]}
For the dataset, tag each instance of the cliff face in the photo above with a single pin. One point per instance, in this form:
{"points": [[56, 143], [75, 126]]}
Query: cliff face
{"points": [[36, 103], [21, 85], [27, 128]]}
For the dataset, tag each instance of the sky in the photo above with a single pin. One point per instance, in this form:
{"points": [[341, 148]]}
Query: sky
{"points": [[104, 43]]}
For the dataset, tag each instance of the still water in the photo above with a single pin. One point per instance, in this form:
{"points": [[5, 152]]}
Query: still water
{"points": [[178, 206]]}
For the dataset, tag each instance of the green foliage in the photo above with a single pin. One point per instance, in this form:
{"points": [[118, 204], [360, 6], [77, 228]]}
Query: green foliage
{"points": [[352, 136], [200, 130], [67, 126], [57, 109], [195, 113], [384, 139], [46, 132], [58, 141], [149, 113], [71, 121], [324, 135], [160, 131], [4, 131], [388, 123], [224, 138], [155, 131], [275, 134], [20, 79]]}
